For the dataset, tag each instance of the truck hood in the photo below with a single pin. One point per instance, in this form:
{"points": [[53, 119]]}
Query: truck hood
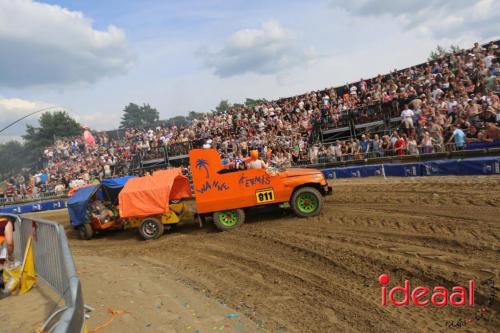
{"points": [[294, 172]]}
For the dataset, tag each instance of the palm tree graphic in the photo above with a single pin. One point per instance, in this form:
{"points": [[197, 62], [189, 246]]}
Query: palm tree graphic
{"points": [[200, 163]]}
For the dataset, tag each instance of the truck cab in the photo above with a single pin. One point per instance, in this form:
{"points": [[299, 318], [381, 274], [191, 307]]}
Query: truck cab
{"points": [[225, 194]]}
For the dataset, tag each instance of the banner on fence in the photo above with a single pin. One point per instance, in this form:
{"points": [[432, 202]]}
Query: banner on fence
{"points": [[457, 167], [34, 207]]}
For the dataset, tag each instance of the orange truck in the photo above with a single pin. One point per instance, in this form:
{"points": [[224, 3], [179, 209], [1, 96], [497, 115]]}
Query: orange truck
{"points": [[225, 194], [154, 203]]}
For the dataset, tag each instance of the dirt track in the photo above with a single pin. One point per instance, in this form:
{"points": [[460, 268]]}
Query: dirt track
{"points": [[320, 274]]}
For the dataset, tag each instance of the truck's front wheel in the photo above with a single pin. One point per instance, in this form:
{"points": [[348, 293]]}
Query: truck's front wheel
{"points": [[229, 219], [85, 231], [306, 202]]}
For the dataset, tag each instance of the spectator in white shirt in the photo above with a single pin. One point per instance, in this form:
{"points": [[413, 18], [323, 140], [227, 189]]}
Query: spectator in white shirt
{"points": [[407, 117]]}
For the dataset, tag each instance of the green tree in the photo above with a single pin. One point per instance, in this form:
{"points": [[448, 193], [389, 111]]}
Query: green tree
{"points": [[223, 106], [150, 115], [438, 53], [455, 49], [441, 52], [250, 102], [177, 121], [183, 120], [195, 115], [139, 116], [13, 155], [52, 125], [132, 116]]}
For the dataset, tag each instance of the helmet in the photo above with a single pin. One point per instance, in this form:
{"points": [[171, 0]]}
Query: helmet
{"points": [[254, 154]]}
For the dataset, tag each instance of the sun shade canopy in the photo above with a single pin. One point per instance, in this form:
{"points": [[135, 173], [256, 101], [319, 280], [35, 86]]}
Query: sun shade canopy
{"points": [[150, 195]]}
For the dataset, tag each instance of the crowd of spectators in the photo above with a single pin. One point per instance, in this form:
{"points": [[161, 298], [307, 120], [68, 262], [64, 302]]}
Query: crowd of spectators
{"points": [[439, 105], [70, 163]]}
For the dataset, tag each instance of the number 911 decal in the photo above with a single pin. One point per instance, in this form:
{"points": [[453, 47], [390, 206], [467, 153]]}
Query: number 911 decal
{"points": [[265, 195]]}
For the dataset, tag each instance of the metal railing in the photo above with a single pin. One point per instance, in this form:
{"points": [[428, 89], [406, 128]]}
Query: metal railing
{"points": [[430, 151], [178, 149], [21, 198], [55, 267]]}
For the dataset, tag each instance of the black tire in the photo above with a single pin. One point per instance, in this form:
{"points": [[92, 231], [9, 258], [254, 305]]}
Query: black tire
{"points": [[85, 231], [303, 194], [2, 285], [151, 228], [229, 219]]}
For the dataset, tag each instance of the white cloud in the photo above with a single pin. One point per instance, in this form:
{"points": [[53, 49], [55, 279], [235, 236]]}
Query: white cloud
{"points": [[46, 44], [267, 50], [17, 107], [13, 104], [412, 7], [434, 18], [12, 109]]}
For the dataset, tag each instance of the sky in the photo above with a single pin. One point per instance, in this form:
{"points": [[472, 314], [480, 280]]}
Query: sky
{"points": [[93, 57]]}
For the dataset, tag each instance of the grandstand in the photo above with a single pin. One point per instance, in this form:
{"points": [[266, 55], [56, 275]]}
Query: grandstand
{"points": [[349, 124], [373, 107]]}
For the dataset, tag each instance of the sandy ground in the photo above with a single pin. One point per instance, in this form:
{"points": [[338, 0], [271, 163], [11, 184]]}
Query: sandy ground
{"points": [[26, 313], [283, 274]]}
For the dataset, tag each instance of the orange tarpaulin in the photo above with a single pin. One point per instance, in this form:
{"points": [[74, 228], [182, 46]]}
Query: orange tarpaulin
{"points": [[150, 195], [181, 188]]}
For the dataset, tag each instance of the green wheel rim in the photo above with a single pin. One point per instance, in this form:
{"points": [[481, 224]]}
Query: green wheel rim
{"points": [[307, 202], [228, 218]]}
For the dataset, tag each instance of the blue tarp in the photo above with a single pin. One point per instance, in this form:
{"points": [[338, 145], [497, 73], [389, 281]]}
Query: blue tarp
{"points": [[78, 204], [116, 183], [111, 188]]}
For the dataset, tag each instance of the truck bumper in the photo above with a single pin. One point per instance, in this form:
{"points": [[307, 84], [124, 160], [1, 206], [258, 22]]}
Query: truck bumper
{"points": [[328, 190]]}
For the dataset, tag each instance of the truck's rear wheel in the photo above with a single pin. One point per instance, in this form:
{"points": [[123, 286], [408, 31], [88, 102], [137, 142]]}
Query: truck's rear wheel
{"points": [[306, 202], [85, 231], [229, 219], [151, 228]]}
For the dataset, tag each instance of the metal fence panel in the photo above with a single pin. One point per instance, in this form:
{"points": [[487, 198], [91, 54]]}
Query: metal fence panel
{"points": [[54, 266]]}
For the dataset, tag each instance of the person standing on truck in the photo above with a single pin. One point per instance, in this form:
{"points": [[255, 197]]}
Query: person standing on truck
{"points": [[255, 162], [6, 244]]}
